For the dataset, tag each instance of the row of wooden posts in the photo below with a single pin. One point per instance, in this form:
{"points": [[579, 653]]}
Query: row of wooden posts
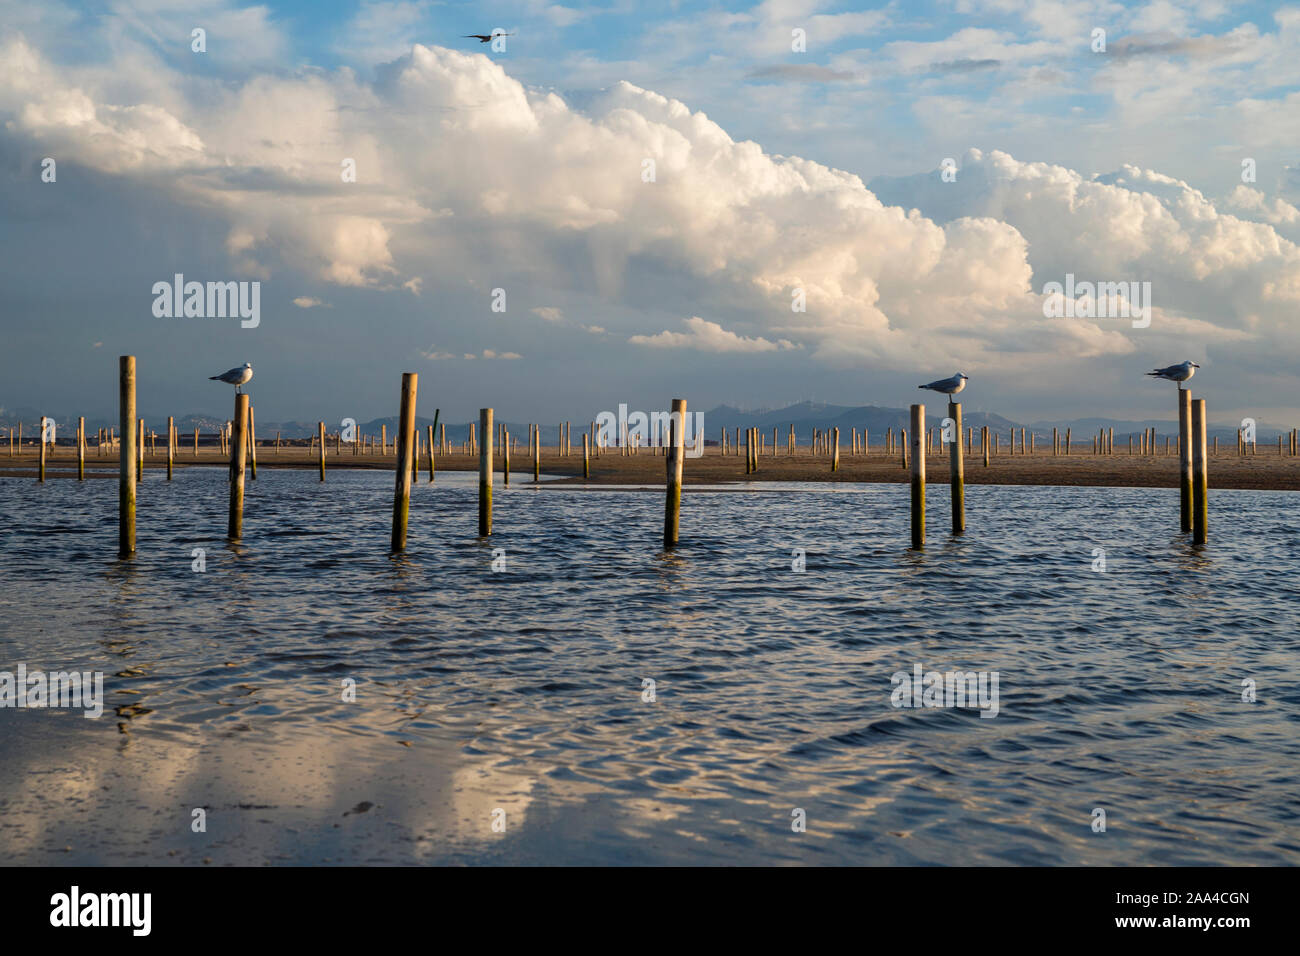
{"points": [[826, 443], [823, 443], [131, 464], [1192, 484]]}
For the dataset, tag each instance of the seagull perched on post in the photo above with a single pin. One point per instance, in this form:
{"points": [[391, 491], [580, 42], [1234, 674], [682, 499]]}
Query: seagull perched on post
{"points": [[485, 38], [1176, 373], [236, 376], [949, 386]]}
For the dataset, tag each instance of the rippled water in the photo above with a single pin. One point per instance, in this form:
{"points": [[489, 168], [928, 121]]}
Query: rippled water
{"points": [[521, 689]]}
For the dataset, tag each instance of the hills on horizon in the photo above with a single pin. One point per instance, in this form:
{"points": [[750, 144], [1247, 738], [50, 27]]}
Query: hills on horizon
{"points": [[805, 416]]}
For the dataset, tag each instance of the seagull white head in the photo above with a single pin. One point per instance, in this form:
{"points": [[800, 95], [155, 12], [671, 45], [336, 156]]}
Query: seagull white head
{"points": [[1176, 373], [235, 376]]}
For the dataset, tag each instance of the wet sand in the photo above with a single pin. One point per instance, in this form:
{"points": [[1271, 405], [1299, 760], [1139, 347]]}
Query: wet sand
{"points": [[1264, 470]]}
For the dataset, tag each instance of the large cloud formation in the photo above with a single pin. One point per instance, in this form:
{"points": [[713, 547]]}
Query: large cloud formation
{"points": [[464, 175]]}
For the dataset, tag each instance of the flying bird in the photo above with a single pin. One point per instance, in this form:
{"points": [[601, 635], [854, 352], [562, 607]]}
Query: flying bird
{"points": [[1176, 373], [482, 38], [236, 376], [949, 386]]}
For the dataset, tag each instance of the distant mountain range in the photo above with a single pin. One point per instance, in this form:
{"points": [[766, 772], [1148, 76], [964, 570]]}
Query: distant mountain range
{"points": [[805, 416]]}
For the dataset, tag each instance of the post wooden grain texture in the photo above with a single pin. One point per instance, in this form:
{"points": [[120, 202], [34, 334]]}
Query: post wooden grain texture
{"points": [[1200, 484], [1185, 459], [485, 472], [957, 472], [171, 448], [673, 498], [126, 457], [405, 448], [238, 452], [918, 477]]}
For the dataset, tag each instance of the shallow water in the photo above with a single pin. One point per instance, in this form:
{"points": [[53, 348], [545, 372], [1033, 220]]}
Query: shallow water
{"points": [[521, 690]]}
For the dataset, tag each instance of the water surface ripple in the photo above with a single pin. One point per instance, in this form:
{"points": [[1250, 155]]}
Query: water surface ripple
{"points": [[521, 689]]}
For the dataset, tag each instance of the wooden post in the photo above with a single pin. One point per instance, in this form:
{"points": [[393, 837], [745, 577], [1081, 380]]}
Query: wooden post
{"points": [[586, 457], [505, 457], [1200, 486], [432, 428], [238, 453], [139, 445], [40, 474], [1067, 442], [537, 454], [1184, 459], [81, 448], [984, 443], [126, 457], [957, 471], [835, 453], [171, 450], [404, 446], [320, 431], [485, 472], [673, 500], [918, 477], [903, 446]]}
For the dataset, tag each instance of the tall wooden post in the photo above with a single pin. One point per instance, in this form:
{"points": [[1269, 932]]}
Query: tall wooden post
{"points": [[126, 457], [505, 457], [40, 473], [835, 454], [320, 433], [1200, 485], [485, 472], [984, 443], [139, 446], [1185, 459], [673, 500], [918, 477], [537, 454], [171, 447], [430, 452], [405, 448], [238, 451], [957, 472], [586, 457], [81, 448]]}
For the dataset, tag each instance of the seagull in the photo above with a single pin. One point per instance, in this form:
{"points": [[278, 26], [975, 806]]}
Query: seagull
{"points": [[485, 38], [236, 376], [1176, 373], [949, 386]]}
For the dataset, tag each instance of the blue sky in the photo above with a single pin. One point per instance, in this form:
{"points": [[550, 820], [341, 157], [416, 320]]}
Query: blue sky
{"points": [[522, 170]]}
